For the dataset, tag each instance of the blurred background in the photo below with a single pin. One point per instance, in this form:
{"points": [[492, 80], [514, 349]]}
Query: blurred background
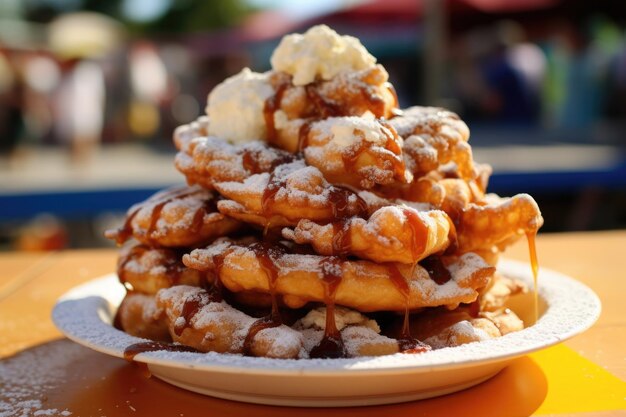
{"points": [[91, 90]]}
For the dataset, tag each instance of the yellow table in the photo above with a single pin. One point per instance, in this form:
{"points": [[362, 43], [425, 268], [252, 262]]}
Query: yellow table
{"points": [[40, 370]]}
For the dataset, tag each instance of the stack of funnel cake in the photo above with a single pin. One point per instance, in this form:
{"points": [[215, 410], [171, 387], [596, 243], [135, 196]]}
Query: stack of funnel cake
{"points": [[321, 221]]}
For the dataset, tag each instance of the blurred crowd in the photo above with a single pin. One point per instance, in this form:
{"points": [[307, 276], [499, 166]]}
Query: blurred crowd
{"points": [[570, 78], [75, 75]]}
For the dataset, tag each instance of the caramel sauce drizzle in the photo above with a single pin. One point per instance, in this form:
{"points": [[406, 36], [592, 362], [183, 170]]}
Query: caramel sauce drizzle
{"points": [[419, 232], [331, 345], [269, 198], [342, 238], [135, 349], [173, 267], [339, 199], [323, 108], [406, 342], [191, 307], [534, 263], [193, 303], [266, 255], [251, 161], [351, 158], [272, 104], [126, 231]]}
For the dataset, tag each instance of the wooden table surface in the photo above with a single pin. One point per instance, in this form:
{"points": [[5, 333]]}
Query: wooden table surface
{"points": [[42, 373]]}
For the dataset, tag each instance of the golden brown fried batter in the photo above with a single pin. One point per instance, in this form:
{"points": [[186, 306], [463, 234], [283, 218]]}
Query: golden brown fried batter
{"points": [[207, 160], [391, 234], [176, 217], [147, 270], [138, 315], [292, 192], [498, 222], [355, 151], [382, 211], [195, 320], [348, 94], [184, 134], [433, 137], [364, 285]]}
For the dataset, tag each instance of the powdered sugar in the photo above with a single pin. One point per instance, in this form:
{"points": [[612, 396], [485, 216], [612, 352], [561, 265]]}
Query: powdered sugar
{"points": [[25, 380], [345, 131]]}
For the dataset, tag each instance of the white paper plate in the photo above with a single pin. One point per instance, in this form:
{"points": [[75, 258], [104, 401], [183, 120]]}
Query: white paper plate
{"points": [[566, 307]]}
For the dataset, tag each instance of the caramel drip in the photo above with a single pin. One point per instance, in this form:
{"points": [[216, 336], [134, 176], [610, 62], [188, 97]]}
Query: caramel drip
{"points": [[534, 263], [191, 307], [269, 194], [135, 251], [331, 345], [436, 269], [173, 268], [250, 161], [135, 349], [170, 196], [271, 105], [419, 232], [266, 255], [340, 202], [342, 238], [126, 231], [393, 145], [339, 199], [351, 158], [323, 108], [406, 342], [266, 322], [209, 206], [215, 290]]}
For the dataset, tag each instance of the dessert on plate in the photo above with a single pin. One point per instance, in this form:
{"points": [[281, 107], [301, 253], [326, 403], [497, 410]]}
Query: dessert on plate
{"points": [[320, 220]]}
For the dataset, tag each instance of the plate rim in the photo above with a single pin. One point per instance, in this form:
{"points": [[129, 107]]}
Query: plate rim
{"points": [[549, 283]]}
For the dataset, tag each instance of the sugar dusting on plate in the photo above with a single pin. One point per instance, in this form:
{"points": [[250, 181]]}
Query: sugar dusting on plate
{"points": [[26, 378]]}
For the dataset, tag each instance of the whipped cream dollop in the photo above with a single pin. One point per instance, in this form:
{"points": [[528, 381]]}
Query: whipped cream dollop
{"points": [[235, 107], [319, 53]]}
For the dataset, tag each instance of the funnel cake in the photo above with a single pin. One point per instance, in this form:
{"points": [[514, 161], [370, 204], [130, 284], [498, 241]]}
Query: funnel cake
{"points": [[391, 234], [321, 221], [290, 193], [176, 217], [362, 285]]}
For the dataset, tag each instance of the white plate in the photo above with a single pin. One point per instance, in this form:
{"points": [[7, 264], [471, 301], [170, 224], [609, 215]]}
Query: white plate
{"points": [[566, 307]]}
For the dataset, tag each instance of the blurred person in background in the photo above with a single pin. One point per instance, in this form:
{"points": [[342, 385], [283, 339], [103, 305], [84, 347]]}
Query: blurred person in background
{"points": [[80, 108], [498, 75], [11, 120]]}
